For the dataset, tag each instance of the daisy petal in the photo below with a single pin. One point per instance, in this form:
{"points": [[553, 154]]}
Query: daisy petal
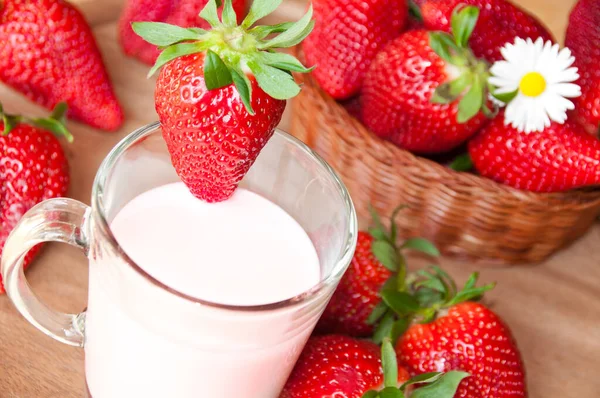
{"points": [[567, 90]]}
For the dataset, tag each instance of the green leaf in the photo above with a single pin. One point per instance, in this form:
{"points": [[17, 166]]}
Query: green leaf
{"points": [[378, 311], [400, 302], [505, 97], [228, 16], [433, 283], [375, 217], [389, 362], [258, 10], [445, 277], [443, 45], [472, 294], [444, 387], [10, 122], [415, 11], [200, 31], [490, 113], [463, 23], [386, 254], [283, 61], [384, 329], [399, 328], [209, 13], [294, 35], [422, 245], [164, 34], [59, 112], [277, 83], [244, 88], [54, 126], [426, 297], [260, 32], [393, 225], [471, 103], [460, 84], [472, 281], [378, 234], [176, 51], [390, 284], [371, 394], [391, 392], [442, 95], [216, 73], [424, 378], [462, 163]]}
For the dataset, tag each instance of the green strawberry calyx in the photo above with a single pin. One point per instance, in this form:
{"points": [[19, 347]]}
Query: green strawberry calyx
{"points": [[434, 291], [232, 51], [416, 297], [55, 123], [436, 384], [471, 87], [395, 290]]}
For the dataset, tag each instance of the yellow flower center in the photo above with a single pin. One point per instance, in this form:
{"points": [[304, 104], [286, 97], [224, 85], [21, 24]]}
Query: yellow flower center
{"points": [[532, 84]]}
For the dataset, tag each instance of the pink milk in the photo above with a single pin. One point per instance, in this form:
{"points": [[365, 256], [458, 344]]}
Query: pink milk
{"points": [[244, 251]]}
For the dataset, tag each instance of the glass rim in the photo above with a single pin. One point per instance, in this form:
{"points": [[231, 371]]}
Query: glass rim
{"points": [[99, 215]]}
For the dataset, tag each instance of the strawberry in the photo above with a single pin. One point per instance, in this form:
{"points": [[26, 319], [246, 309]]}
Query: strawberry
{"points": [[356, 304], [445, 330], [340, 366], [347, 35], [500, 22], [357, 293], [48, 53], [33, 168], [222, 92], [182, 13], [583, 39], [425, 91], [562, 157], [469, 338]]}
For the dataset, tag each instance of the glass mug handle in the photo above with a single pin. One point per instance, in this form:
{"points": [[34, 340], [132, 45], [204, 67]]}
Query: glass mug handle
{"points": [[54, 220]]}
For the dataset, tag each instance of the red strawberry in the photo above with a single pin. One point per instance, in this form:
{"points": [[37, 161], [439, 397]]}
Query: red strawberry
{"points": [[48, 53], [175, 12], [33, 168], [357, 293], [347, 35], [222, 92], [560, 158], [583, 38], [419, 94], [499, 23], [356, 305], [339, 366], [470, 338]]}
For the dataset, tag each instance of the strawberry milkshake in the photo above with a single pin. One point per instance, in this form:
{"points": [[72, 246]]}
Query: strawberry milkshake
{"points": [[245, 251]]}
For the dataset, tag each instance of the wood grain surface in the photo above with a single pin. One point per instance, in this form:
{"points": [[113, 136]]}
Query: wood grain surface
{"points": [[553, 308]]}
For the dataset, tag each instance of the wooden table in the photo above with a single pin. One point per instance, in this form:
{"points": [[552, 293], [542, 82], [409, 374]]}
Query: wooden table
{"points": [[553, 308]]}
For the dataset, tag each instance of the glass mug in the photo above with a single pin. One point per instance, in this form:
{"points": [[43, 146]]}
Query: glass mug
{"points": [[144, 339]]}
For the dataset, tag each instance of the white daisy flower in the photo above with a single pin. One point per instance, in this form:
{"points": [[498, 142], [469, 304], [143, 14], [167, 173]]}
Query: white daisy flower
{"points": [[540, 77]]}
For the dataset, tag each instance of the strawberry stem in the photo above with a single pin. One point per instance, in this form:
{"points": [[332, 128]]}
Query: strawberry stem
{"points": [[55, 123], [436, 384], [471, 87], [398, 307], [234, 51]]}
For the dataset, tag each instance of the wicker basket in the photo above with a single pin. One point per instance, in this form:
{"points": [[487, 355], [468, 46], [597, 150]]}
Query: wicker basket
{"points": [[467, 216]]}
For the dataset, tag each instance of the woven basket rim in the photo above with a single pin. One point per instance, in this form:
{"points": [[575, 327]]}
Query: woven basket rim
{"points": [[475, 182]]}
